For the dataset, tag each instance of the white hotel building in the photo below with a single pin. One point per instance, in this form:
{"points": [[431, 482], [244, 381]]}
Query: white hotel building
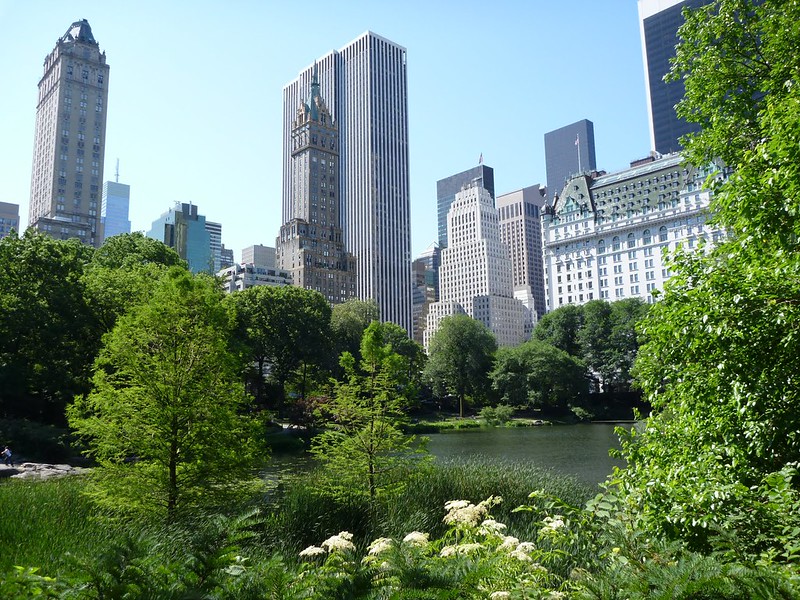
{"points": [[604, 235], [475, 274], [365, 87]]}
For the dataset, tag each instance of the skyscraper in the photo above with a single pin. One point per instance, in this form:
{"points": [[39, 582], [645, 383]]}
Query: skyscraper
{"points": [[9, 219], [69, 146], [567, 152], [447, 188], [114, 209], [184, 230], [659, 21], [310, 244], [365, 87], [475, 276], [521, 232]]}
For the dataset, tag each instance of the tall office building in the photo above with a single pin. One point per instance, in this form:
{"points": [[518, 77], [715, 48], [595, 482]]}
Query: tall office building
{"points": [[215, 243], [365, 88], [521, 232], [184, 230], [9, 219], [69, 146], [425, 291], [568, 151], [659, 21], [447, 188], [114, 209], [475, 276], [310, 244]]}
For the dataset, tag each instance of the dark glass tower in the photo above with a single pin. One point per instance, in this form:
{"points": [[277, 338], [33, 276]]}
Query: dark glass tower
{"points": [[568, 151]]}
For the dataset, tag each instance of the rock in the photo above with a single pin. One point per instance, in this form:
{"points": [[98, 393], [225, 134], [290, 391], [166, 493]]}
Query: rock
{"points": [[30, 470]]}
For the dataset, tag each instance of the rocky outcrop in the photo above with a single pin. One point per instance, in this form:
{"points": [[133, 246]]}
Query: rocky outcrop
{"points": [[30, 470]]}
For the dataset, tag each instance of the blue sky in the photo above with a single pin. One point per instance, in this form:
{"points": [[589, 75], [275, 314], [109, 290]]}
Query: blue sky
{"points": [[194, 109]]}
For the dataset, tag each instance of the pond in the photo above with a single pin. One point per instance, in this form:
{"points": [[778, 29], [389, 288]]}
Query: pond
{"points": [[577, 450]]}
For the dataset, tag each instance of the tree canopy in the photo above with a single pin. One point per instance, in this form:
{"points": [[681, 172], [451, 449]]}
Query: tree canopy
{"points": [[166, 420]]}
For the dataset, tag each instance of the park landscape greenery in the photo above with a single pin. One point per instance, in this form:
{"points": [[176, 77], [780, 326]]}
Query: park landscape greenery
{"points": [[169, 386]]}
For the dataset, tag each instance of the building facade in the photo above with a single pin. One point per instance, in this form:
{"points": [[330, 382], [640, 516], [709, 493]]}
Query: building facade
{"points": [[114, 209], [365, 88], [659, 21], [521, 232], [475, 275], [260, 255], [9, 219], [69, 146], [605, 234], [184, 230], [447, 188], [425, 281], [311, 245], [238, 277], [568, 151], [215, 243]]}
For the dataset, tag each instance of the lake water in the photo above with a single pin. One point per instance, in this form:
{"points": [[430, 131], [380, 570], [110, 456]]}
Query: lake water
{"points": [[577, 450]]}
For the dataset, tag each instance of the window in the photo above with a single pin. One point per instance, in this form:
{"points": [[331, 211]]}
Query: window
{"points": [[662, 234], [631, 241], [615, 243]]}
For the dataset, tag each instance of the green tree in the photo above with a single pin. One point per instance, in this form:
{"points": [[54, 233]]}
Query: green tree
{"points": [[720, 360], [460, 358], [285, 333], [363, 449], [48, 335], [129, 249], [349, 320], [560, 328], [539, 375], [166, 420], [412, 355]]}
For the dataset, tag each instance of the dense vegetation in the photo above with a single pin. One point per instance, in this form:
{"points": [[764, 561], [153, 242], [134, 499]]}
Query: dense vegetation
{"points": [[167, 382]]}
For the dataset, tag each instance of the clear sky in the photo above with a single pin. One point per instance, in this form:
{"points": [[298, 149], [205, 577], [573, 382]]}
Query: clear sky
{"points": [[194, 108]]}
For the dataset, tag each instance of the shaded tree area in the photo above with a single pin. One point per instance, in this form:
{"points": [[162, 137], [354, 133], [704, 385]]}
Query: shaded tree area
{"points": [[717, 461], [461, 354]]}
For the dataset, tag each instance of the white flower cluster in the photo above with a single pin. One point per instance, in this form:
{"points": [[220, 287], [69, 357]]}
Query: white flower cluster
{"points": [[490, 526], [416, 538], [380, 545], [523, 551], [459, 549], [339, 542], [499, 595], [555, 522], [312, 551], [463, 512]]}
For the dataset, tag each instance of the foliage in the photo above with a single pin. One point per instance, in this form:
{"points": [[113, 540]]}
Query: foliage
{"points": [[30, 440], [461, 354], [497, 415], [128, 250], [539, 375], [285, 331], [165, 421], [349, 320], [560, 328], [364, 447], [48, 336], [714, 464]]}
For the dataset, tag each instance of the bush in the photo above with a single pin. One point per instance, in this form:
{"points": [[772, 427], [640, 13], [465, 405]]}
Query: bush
{"points": [[497, 415]]}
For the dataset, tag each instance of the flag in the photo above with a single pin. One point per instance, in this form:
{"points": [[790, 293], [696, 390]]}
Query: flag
{"points": [[480, 160], [577, 139]]}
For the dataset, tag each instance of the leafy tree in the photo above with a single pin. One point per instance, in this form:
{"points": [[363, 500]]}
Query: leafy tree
{"points": [[364, 449], [349, 320], [720, 361], [165, 420], [285, 333], [560, 328], [539, 375], [460, 358], [48, 336], [412, 355], [129, 249]]}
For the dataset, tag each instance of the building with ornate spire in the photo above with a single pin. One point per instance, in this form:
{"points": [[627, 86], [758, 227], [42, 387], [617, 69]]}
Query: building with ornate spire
{"points": [[69, 147], [365, 87], [475, 275], [310, 245]]}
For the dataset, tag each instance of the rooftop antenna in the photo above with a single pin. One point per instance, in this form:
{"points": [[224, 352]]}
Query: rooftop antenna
{"points": [[117, 172]]}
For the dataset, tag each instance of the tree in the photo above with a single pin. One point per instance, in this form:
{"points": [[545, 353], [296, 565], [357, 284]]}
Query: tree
{"points": [[412, 355], [720, 360], [166, 420], [460, 358], [539, 375], [48, 335], [363, 448], [129, 249], [285, 333], [349, 320], [560, 328]]}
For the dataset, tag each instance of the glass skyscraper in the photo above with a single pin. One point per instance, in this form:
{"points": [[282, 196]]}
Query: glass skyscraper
{"points": [[115, 208], [184, 230], [365, 87], [568, 151]]}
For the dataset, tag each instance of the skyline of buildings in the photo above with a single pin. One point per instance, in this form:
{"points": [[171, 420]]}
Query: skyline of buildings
{"points": [[365, 88], [659, 21], [447, 188], [69, 146]]}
